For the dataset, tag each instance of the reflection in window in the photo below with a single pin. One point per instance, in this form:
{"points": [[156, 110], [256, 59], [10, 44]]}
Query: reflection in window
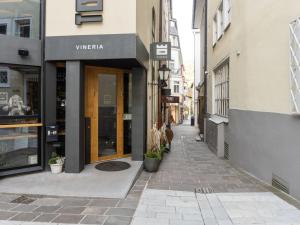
{"points": [[22, 28], [18, 147], [19, 91], [20, 18]]}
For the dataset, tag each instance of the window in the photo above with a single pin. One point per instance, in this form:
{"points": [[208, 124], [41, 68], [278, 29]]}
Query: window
{"points": [[20, 115], [295, 65], [215, 30], [221, 90], [176, 87], [20, 18], [3, 29], [22, 28], [220, 21], [20, 87], [4, 77], [227, 13]]}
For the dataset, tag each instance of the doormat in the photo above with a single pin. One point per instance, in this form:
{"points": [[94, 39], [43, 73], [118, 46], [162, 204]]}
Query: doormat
{"points": [[112, 166]]}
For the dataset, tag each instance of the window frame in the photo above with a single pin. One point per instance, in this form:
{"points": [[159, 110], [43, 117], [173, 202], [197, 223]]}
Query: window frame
{"points": [[17, 34], [221, 90]]}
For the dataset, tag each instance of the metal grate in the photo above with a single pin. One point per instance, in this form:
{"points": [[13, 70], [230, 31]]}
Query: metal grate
{"points": [[204, 190], [226, 150], [280, 184], [23, 200]]}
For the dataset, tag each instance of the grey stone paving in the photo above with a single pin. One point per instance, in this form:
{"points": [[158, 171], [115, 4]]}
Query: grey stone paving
{"points": [[56, 210]]}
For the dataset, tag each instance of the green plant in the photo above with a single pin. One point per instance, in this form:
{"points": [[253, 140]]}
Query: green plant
{"points": [[153, 155], [55, 159]]}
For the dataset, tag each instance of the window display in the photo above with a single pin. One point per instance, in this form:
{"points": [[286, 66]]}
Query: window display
{"points": [[19, 116]]}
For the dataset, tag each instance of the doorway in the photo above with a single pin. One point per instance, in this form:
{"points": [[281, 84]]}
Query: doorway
{"points": [[104, 106]]}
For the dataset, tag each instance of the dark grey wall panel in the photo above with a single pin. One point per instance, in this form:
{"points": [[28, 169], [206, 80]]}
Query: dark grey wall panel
{"points": [[9, 47], [139, 113], [96, 47], [74, 117], [49, 104], [266, 144]]}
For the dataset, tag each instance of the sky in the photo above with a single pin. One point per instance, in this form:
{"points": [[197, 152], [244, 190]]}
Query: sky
{"points": [[183, 11]]}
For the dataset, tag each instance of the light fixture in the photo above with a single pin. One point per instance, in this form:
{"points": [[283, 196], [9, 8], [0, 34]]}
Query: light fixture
{"points": [[164, 73]]}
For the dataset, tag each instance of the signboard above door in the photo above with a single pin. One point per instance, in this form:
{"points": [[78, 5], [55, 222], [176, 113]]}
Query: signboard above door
{"points": [[92, 7], [170, 99], [160, 51]]}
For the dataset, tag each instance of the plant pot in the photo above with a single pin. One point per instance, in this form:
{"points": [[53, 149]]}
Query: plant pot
{"points": [[151, 164], [56, 168]]}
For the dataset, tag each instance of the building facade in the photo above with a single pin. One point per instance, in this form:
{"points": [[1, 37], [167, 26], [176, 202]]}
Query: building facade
{"points": [[176, 80], [253, 87], [75, 79]]}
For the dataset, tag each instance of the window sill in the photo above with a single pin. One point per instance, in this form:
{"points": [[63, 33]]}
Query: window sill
{"points": [[218, 119]]}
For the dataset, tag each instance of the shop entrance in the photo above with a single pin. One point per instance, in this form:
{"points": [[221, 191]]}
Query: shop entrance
{"points": [[104, 106]]}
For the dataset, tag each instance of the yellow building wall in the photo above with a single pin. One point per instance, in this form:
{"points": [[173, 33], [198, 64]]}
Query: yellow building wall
{"points": [[119, 17], [259, 76]]}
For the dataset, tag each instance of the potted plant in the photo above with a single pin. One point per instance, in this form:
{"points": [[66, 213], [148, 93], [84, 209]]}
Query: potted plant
{"points": [[56, 163], [154, 155], [152, 160]]}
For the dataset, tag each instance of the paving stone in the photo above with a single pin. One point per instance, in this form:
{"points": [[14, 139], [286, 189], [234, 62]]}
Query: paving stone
{"points": [[45, 217], [48, 201], [118, 220], [104, 202], [68, 218], [25, 216], [128, 203], [24, 208], [47, 209], [71, 210], [93, 210], [91, 219], [7, 206], [4, 215], [120, 212], [74, 202]]}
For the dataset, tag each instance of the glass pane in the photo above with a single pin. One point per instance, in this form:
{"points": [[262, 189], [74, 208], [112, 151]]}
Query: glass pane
{"points": [[19, 93], [20, 18], [107, 115], [18, 147]]}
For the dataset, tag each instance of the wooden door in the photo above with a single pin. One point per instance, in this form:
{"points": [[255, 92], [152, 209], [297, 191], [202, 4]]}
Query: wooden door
{"points": [[106, 129]]}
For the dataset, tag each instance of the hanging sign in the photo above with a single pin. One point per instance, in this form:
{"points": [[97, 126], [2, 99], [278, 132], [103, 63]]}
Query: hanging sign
{"points": [[170, 99], [160, 51], [92, 7]]}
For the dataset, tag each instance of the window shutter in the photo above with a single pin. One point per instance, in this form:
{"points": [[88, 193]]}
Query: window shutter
{"points": [[227, 13]]}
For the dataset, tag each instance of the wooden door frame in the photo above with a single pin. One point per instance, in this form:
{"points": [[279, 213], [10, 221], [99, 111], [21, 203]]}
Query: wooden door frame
{"points": [[91, 109]]}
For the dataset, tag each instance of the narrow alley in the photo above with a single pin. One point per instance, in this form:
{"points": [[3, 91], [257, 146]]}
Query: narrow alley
{"points": [[194, 187]]}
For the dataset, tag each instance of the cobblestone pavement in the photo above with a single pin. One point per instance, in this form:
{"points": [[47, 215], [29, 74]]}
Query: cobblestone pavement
{"points": [[43, 210], [226, 196]]}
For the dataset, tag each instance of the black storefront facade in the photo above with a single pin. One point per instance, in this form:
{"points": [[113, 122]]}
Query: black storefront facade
{"points": [[105, 97], [44, 85]]}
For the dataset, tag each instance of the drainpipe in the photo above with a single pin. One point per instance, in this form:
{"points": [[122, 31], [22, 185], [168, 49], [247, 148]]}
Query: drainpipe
{"points": [[205, 59]]}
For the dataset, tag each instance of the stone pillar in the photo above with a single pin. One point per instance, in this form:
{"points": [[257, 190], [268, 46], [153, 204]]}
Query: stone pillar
{"points": [[74, 117], [139, 113]]}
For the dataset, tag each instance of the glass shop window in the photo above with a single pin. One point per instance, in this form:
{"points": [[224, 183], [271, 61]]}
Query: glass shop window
{"points": [[20, 18], [19, 117]]}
